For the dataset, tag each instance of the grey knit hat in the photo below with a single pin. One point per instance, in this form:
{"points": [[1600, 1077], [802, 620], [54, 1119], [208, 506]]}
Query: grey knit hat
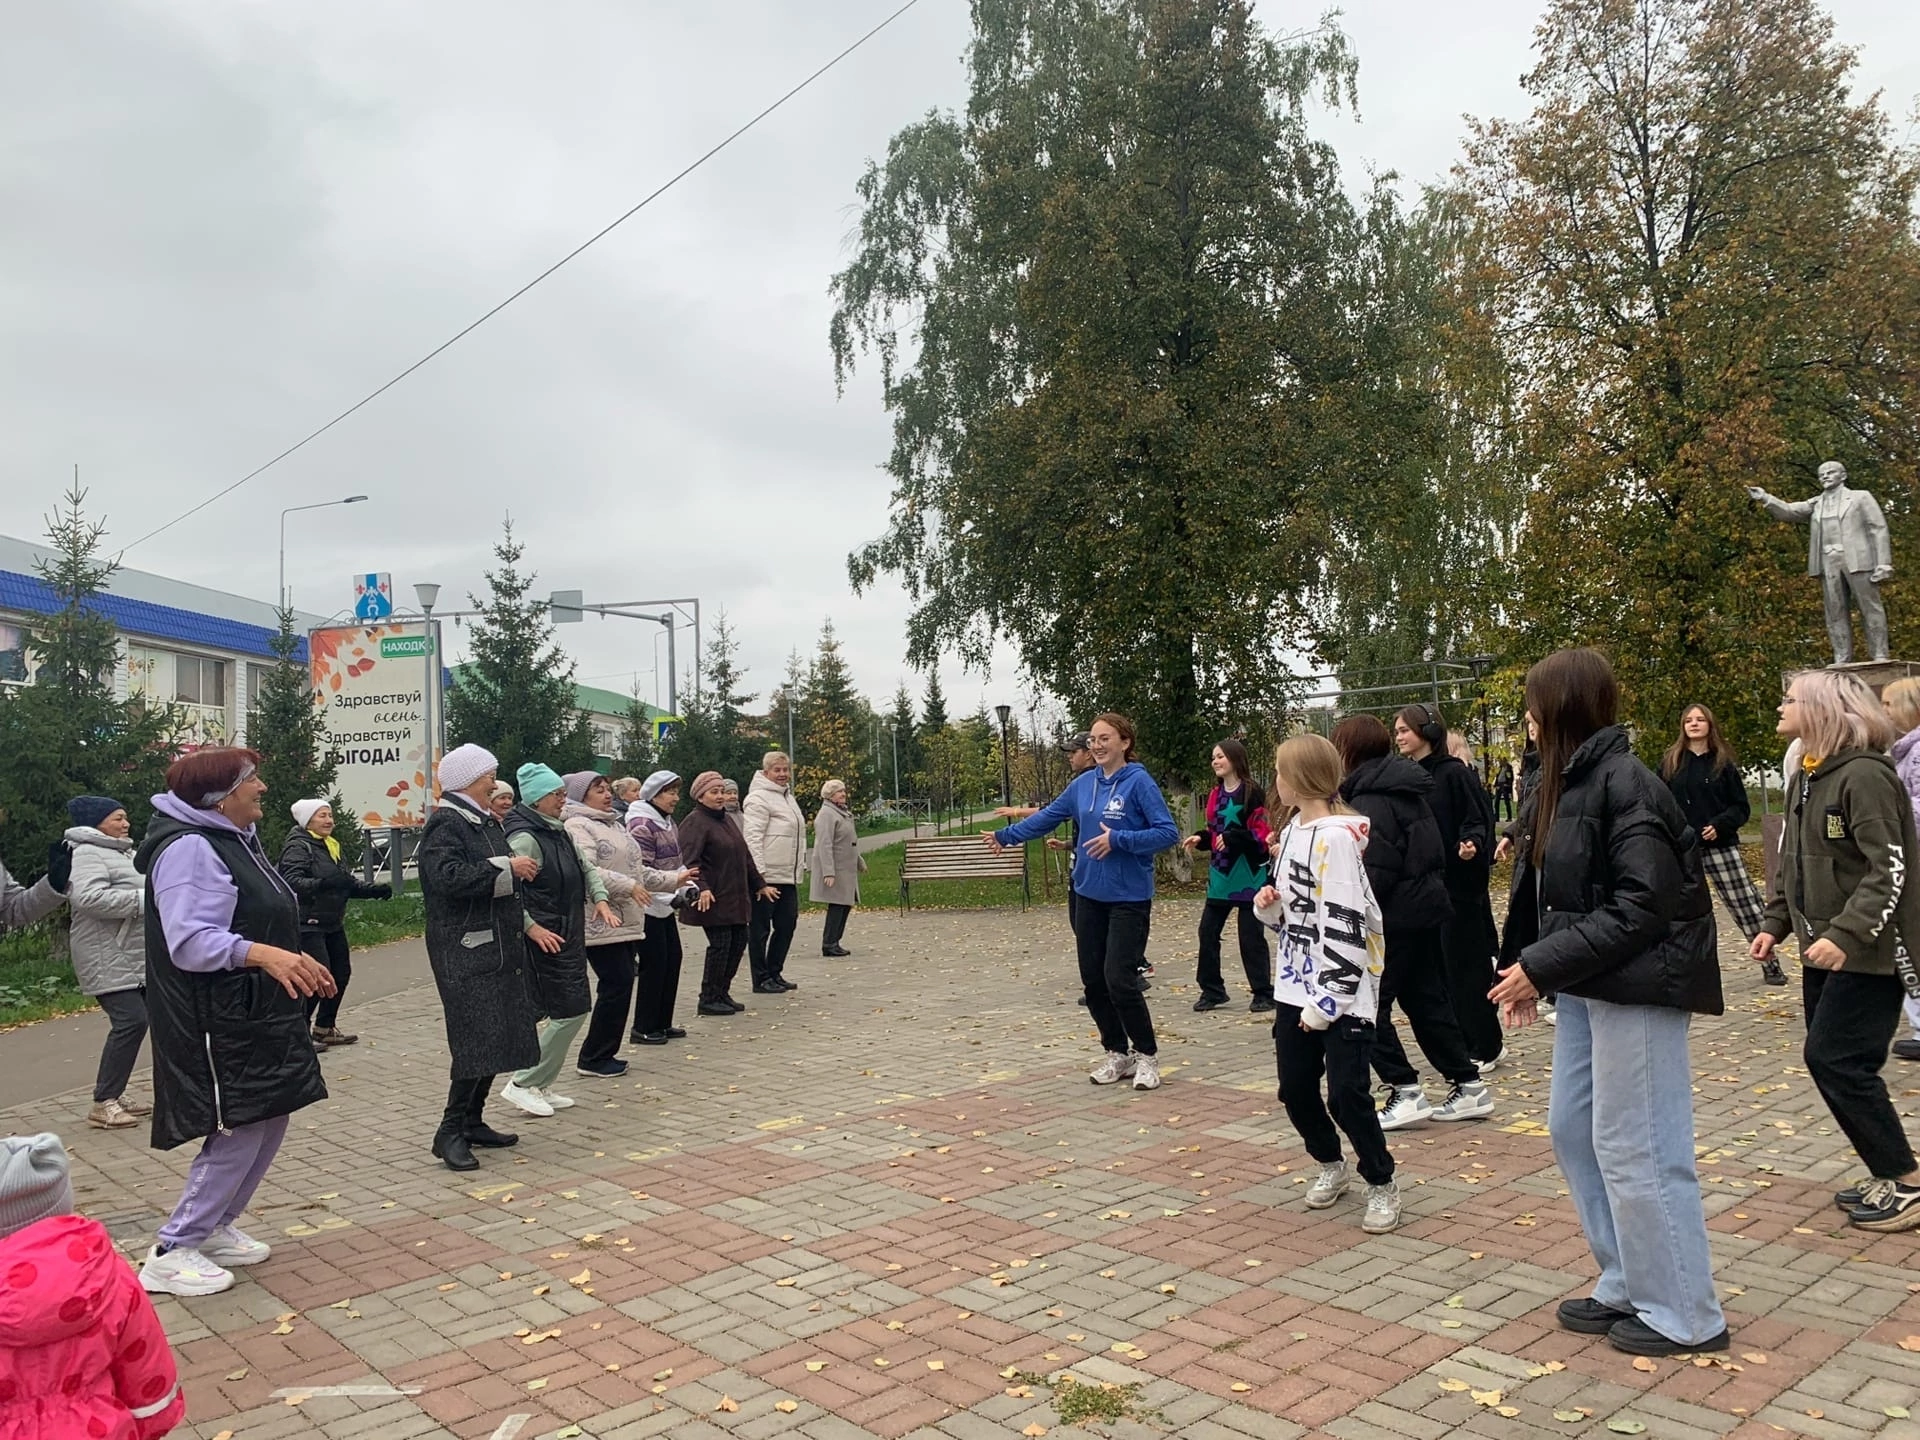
{"points": [[33, 1181]]}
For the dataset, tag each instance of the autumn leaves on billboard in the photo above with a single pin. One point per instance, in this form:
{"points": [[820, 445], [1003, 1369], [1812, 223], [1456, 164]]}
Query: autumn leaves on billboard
{"points": [[370, 681]]}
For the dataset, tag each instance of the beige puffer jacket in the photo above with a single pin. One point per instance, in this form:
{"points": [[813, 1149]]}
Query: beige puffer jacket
{"points": [[602, 836], [776, 830]]}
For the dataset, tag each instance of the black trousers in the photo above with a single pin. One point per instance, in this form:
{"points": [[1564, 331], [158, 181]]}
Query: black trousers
{"points": [[770, 935], [1469, 942], [1073, 906], [836, 927], [466, 1099], [127, 1017], [1850, 1023], [1254, 957], [329, 947], [1341, 1053], [1415, 974], [657, 982], [725, 945], [613, 970], [1111, 937]]}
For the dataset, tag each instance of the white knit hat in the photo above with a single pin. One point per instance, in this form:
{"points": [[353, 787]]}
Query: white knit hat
{"points": [[464, 764], [305, 810], [33, 1181]]}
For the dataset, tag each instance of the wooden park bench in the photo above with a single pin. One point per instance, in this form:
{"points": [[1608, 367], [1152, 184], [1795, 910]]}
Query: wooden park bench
{"points": [[960, 857]]}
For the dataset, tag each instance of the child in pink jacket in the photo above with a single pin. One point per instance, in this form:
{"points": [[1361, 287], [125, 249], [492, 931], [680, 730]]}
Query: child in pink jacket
{"points": [[82, 1355]]}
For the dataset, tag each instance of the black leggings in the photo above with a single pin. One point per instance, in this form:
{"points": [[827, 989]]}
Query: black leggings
{"points": [[725, 945], [1341, 1054], [1111, 936], [1254, 958], [329, 947], [658, 978]]}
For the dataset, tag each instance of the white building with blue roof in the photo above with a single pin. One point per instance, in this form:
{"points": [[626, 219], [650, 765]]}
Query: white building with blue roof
{"points": [[205, 651]]}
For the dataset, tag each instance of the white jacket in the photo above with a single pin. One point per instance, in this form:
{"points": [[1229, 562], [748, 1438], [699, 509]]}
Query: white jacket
{"points": [[1331, 944], [106, 896], [776, 830]]}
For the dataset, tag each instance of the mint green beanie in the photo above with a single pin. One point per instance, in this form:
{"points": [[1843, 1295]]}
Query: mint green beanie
{"points": [[536, 781]]}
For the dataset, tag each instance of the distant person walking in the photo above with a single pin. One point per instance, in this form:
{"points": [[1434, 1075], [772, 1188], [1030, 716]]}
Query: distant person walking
{"points": [[1704, 775], [1504, 782], [227, 985], [107, 897], [1406, 868], [837, 865], [1327, 979], [1610, 912], [729, 884], [1465, 815], [1845, 890], [1124, 823], [477, 946], [776, 830], [1236, 835], [310, 861]]}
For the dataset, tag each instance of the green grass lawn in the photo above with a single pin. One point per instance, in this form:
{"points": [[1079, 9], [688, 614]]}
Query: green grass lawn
{"points": [[33, 984]]}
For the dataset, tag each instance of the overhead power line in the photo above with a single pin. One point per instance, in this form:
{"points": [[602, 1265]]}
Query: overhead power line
{"points": [[572, 254]]}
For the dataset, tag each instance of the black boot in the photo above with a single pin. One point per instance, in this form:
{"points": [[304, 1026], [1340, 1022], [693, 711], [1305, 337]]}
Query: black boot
{"points": [[475, 1127], [489, 1138], [450, 1147]]}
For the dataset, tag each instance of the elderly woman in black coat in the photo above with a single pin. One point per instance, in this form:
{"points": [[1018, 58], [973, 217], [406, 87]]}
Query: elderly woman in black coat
{"points": [[477, 946]]}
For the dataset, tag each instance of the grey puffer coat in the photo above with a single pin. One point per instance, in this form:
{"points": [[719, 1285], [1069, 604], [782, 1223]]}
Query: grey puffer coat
{"points": [[105, 897], [603, 838], [475, 942]]}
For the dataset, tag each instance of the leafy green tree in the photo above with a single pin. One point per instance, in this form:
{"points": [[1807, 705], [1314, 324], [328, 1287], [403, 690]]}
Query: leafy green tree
{"points": [[290, 732], [68, 733], [516, 695], [1704, 262], [1119, 271]]}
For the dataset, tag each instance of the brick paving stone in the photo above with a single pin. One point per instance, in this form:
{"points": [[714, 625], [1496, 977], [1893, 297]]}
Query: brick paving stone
{"points": [[915, 1148]]}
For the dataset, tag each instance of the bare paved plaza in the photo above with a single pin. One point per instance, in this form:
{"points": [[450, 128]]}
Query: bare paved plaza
{"points": [[891, 1204]]}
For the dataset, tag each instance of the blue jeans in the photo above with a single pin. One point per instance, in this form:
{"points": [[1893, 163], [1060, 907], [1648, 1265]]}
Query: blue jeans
{"points": [[1621, 1116]]}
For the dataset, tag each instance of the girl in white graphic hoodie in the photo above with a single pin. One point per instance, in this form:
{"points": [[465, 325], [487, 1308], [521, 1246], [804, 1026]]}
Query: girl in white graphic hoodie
{"points": [[1327, 978]]}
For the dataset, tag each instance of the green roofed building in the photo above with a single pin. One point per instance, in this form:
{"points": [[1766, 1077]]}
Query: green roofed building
{"points": [[606, 712]]}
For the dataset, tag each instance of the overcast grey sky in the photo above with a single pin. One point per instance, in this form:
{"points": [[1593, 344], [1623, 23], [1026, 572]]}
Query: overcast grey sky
{"points": [[221, 222]]}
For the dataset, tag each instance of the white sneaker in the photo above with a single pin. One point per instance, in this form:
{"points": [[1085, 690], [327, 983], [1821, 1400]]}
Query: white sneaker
{"points": [[1487, 1067], [1470, 1101], [1113, 1069], [1383, 1209], [1146, 1072], [1549, 1014], [1329, 1185], [230, 1245], [558, 1102], [183, 1272], [1407, 1107], [527, 1099]]}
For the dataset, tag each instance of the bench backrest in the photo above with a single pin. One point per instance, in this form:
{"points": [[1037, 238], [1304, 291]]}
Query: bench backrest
{"points": [[958, 857]]}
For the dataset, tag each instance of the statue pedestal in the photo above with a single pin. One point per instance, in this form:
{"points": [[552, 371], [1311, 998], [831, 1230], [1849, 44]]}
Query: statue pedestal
{"points": [[1879, 673]]}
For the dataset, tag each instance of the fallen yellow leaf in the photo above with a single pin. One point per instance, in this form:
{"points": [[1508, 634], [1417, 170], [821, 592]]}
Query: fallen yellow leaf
{"points": [[816, 1366], [1033, 1431], [786, 1407], [1240, 1387], [1641, 1362], [728, 1404], [936, 1364], [1454, 1387]]}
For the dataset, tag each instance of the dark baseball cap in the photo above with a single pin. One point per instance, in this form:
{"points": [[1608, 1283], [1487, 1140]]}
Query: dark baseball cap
{"points": [[1078, 741]]}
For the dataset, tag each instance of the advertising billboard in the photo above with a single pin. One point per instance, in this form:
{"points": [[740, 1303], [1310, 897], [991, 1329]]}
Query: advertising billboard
{"points": [[370, 683]]}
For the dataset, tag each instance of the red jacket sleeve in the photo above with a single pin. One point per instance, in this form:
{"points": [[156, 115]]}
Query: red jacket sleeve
{"points": [[143, 1370]]}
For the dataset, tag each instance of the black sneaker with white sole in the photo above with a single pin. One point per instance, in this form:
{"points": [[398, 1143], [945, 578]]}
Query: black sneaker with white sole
{"points": [[1887, 1205]]}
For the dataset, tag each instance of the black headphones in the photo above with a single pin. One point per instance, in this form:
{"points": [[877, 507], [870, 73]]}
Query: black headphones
{"points": [[1434, 731]]}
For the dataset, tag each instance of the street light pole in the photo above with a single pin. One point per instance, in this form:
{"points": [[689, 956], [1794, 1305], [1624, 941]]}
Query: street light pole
{"points": [[427, 593], [896, 765], [1006, 768], [317, 505]]}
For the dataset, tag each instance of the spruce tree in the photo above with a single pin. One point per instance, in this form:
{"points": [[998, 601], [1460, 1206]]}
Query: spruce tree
{"points": [[638, 756], [290, 732], [832, 714], [902, 742], [68, 733], [933, 713], [516, 694], [715, 731]]}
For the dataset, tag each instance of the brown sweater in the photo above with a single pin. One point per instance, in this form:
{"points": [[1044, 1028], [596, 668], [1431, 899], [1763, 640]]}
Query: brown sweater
{"points": [[714, 844]]}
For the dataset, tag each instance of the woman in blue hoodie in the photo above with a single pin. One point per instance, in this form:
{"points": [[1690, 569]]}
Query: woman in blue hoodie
{"points": [[1123, 823]]}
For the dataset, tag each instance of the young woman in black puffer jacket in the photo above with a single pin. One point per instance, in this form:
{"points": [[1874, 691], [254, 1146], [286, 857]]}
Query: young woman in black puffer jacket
{"points": [[1609, 912], [1406, 866], [310, 864]]}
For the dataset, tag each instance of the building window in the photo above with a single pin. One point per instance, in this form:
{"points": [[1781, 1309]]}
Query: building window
{"points": [[256, 677], [200, 681], [13, 655]]}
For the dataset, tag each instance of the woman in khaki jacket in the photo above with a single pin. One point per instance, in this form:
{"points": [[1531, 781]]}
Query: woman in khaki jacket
{"points": [[837, 863]]}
